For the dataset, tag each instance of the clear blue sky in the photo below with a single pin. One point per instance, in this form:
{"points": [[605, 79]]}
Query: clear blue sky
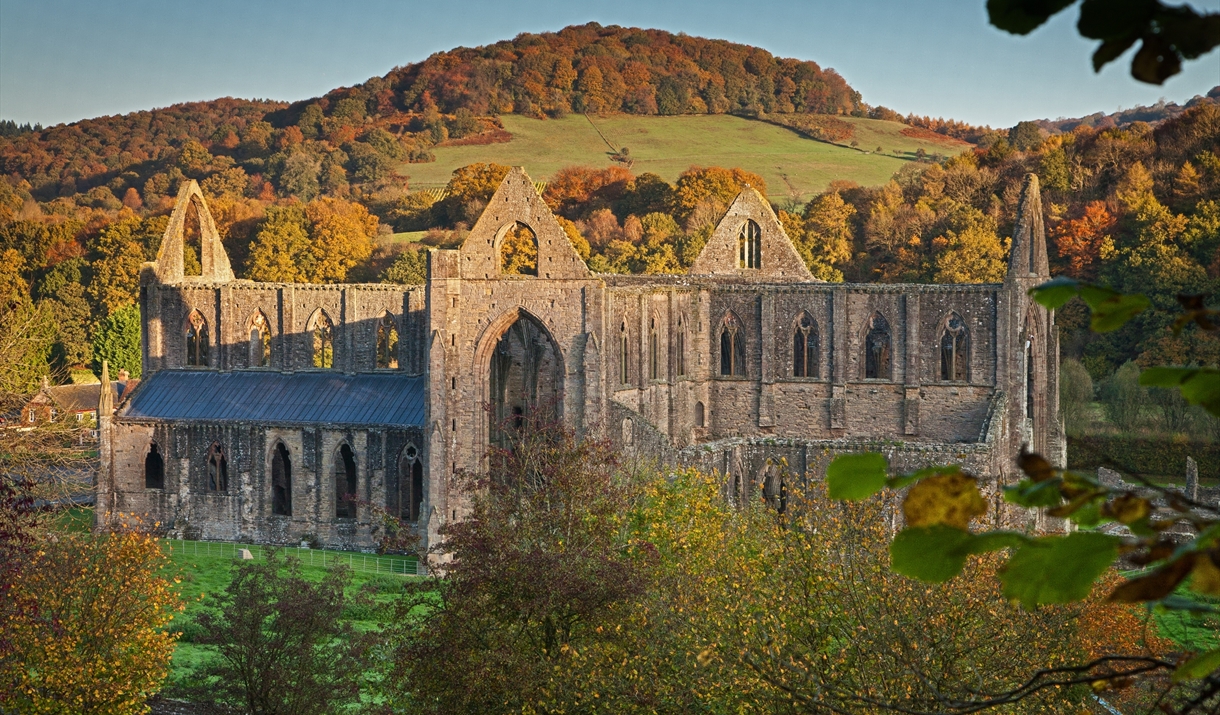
{"points": [[64, 60]]}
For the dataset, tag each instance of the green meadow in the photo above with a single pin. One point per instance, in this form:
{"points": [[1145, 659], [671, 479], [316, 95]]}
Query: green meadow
{"points": [[792, 165]]}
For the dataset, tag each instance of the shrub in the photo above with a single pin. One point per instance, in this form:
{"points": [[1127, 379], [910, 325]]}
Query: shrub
{"points": [[1075, 396], [1124, 398]]}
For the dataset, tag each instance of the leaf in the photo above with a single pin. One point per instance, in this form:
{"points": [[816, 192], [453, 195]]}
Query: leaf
{"points": [[1020, 17], [996, 540], [856, 476], [1198, 386], [1035, 466], [1055, 293], [1205, 577], [930, 553], [1156, 585], [952, 499], [1111, 50], [1200, 666], [1058, 569], [1108, 19], [1034, 494], [1110, 308], [902, 480], [1129, 508]]}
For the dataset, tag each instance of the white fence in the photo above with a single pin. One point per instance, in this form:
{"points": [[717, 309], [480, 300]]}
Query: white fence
{"points": [[365, 563]]}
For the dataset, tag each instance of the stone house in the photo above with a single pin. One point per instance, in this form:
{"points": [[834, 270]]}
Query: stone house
{"points": [[281, 412]]}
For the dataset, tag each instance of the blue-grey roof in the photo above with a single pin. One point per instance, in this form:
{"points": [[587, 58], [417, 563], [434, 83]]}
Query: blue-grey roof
{"points": [[390, 399]]}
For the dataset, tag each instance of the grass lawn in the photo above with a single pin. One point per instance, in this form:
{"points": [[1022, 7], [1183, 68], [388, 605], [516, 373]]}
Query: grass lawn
{"points": [[404, 237], [790, 163]]}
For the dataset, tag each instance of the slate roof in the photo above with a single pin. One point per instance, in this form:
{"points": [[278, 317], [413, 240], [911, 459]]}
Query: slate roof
{"points": [[369, 399]]}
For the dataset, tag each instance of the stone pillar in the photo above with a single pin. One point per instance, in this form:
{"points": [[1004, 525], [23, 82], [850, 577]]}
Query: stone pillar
{"points": [[1192, 479], [838, 359]]}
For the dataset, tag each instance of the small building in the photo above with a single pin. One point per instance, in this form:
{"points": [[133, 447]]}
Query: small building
{"points": [[78, 402]]}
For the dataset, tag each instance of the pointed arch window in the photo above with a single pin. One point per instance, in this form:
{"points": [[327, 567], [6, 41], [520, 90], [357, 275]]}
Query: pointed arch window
{"points": [[323, 340], [410, 484], [281, 481], [681, 347], [749, 245], [732, 347], [217, 469], [154, 468], [653, 350], [260, 340], [700, 418], [624, 353], [387, 343], [345, 483], [197, 341], [878, 349], [954, 349], [806, 347], [1029, 380]]}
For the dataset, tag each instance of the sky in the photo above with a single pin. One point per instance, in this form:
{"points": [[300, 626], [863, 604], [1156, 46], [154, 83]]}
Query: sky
{"points": [[65, 60]]}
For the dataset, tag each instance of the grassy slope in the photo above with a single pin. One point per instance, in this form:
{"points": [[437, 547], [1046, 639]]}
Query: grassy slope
{"points": [[668, 146]]}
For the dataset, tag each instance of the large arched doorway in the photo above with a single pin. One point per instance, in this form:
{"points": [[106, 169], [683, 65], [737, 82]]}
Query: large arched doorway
{"points": [[526, 380]]}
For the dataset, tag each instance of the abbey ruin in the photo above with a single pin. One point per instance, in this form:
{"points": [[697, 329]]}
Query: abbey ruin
{"points": [[263, 406]]}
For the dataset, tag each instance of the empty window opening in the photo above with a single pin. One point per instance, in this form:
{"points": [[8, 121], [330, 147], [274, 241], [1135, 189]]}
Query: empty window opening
{"points": [[154, 468], [281, 481], [192, 240], [260, 341], [878, 348], [681, 348], [218, 469], [749, 246], [653, 350], [732, 347], [773, 488], [806, 347], [387, 343], [323, 340], [519, 251], [410, 484], [345, 483], [954, 350], [197, 340], [1029, 380], [624, 353], [526, 381], [699, 415]]}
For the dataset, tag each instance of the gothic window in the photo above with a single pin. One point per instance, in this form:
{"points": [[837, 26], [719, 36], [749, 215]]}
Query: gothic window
{"points": [[218, 469], [681, 347], [806, 351], [196, 340], [519, 251], [281, 481], [652, 349], [699, 416], [387, 343], [624, 352], [1029, 380], [323, 340], [154, 468], [260, 340], [773, 488], [732, 347], [878, 349], [954, 350], [749, 246], [410, 483], [345, 483]]}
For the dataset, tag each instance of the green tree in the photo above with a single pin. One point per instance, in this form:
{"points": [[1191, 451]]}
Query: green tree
{"points": [[117, 341], [281, 251], [63, 290], [409, 268], [300, 175], [1025, 136], [1075, 396], [1123, 398], [118, 255]]}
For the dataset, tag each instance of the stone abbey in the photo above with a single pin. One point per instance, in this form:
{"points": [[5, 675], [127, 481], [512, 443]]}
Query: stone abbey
{"points": [[263, 406]]}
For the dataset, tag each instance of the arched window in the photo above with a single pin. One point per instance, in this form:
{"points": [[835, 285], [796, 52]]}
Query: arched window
{"points": [[624, 352], [773, 488], [806, 351], [749, 245], [878, 349], [260, 340], [323, 340], [732, 347], [653, 356], [154, 468], [410, 484], [196, 340], [281, 481], [387, 343], [218, 469], [1029, 380], [699, 416], [954, 350], [345, 483], [681, 347], [519, 251]]}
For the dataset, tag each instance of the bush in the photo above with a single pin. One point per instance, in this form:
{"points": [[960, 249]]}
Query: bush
{"points": [[1156, 457], [1075, 396], [1124, 398]]}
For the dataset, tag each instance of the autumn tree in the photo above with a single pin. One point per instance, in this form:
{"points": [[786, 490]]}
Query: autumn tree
{"points": [[827, 236], [341, 237], [408, 268], [1082, 241], [281, 249], [709, 191], [116, 267]]}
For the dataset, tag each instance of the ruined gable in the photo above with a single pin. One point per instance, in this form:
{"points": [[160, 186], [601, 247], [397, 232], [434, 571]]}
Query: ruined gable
{"points": [[749, 242], [516, 201], [168, 267]]}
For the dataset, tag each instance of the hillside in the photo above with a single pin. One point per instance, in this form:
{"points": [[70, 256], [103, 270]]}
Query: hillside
{"points": [[793, 166], [1154, 114]]}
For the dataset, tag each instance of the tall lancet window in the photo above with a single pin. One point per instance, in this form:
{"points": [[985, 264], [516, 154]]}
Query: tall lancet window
{"points": [[196, 340], [805, 347], [954, 350], [749, 245], [878, 349]]}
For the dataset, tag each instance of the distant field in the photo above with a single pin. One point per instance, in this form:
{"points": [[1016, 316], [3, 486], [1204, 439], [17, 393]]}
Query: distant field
{"points": [[790, 163]]}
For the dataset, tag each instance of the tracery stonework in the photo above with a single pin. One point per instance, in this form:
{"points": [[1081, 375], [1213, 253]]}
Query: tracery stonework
{"points": [[313, 393]]}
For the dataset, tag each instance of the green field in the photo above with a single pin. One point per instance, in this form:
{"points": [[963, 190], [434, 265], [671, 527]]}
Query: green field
{"points": [[792, 165]]}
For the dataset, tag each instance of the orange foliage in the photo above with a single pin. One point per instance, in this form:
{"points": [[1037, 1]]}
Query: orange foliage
{"points": [[1080, 240], [578, 185]]}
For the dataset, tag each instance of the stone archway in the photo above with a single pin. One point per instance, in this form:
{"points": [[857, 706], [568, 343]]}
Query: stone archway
{"points": [[525, 379]]}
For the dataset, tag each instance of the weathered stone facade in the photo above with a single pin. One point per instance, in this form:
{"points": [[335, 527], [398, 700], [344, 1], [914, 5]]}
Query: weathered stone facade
{"points": [[745, 359]]}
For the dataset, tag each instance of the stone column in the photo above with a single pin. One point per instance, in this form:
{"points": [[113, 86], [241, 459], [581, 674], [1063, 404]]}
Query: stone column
{"points": [[1192, 479]]}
